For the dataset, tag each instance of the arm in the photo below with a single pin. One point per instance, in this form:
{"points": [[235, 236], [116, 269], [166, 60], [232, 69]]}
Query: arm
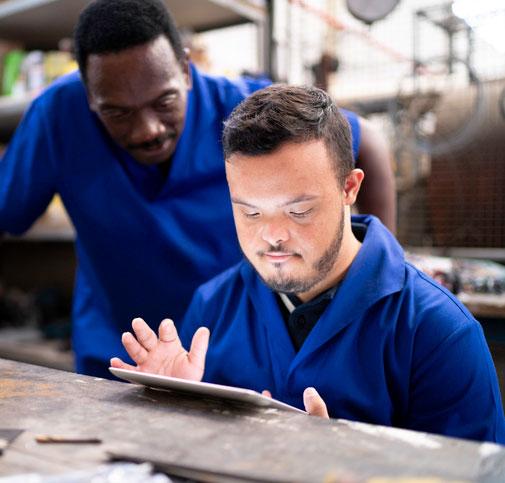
{"points": [[377, 195], [454, 389], [27, 172]]}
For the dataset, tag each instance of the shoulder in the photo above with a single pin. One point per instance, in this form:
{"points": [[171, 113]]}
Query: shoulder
{"points": [[438, 317], [66, 93], [224, 91], [430, 296], [355, 124]]}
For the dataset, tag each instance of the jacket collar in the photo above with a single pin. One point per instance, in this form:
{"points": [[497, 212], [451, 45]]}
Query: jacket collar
{"points": [[377, 271]]}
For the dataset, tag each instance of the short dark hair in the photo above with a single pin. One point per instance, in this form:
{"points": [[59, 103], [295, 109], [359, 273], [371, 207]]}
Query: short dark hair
{"points": [[106, 26], [281, 113]]}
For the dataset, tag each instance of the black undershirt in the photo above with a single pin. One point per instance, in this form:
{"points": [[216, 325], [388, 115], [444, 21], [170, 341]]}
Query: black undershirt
{"points": [[305, 315]]}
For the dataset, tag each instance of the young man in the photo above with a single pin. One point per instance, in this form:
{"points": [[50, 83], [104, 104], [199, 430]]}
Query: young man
{"points": [[324, 312], [132, 146]]}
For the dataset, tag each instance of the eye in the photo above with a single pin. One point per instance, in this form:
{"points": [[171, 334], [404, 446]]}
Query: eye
{"points": [[167, 100], [115, 113], [252, 215], [301, 214]]}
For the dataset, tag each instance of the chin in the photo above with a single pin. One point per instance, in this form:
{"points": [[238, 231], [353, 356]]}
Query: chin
{"points": [[154, 160]]}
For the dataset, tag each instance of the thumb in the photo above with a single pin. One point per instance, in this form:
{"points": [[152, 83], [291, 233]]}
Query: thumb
{"points": [[314, 404], [199, 346]]}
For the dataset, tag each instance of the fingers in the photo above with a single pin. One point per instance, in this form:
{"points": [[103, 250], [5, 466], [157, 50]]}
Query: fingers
{"points": [[167, 331], [145, 340], [314, 404], [266, 393], [119, 364], [144, 334], [134, 349], [199, 345]]}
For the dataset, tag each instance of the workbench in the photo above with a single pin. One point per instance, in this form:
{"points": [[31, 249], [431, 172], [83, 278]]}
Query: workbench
{"points": [[210, 440]]}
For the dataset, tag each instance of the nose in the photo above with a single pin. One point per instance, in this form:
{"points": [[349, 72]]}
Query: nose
{"points": [[146, 127], [275, 232]]}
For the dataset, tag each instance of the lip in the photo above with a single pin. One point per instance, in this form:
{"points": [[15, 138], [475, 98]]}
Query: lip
{"points": [[158, 151], [278, 257]]}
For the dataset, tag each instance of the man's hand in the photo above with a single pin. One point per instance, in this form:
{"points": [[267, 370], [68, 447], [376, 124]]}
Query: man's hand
{"points": [[314, 403], [164, 355]]}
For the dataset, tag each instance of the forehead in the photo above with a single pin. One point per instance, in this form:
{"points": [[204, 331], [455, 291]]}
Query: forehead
{"points": [[292, 169], [139, 71]]}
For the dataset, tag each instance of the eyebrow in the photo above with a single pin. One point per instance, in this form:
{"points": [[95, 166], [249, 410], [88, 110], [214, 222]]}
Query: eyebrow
{"points": [[298, 199]]}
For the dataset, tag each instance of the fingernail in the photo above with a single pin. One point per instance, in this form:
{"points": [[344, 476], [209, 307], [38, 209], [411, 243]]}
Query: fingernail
{"points": [[311, 392]]}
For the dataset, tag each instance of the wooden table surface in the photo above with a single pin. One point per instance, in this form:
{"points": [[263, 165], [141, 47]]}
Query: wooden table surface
{"points": [[217, 439]]}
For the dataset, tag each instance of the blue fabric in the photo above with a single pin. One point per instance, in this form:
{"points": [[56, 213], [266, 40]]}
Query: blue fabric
{"points": [[353, 121], [144, 244], [392, 348]]}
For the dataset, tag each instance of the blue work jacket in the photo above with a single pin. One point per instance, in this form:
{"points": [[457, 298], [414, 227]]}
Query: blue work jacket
{"points": [[392, 348]]}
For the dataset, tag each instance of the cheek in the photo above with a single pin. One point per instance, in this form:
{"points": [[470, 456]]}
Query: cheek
{"points": [[324, 234], [244, 232], [175, 117], [248, 236], [117, 131], [310, 237], [119, 134]]}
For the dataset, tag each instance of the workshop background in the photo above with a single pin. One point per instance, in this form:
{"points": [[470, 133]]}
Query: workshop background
{"points": [[430, 74]]}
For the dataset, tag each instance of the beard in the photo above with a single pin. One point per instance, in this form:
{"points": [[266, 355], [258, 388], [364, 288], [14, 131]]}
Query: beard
{"points": [[321, 267]]}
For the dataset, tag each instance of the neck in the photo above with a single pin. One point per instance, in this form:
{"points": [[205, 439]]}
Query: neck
{"points": [[164, 168]]}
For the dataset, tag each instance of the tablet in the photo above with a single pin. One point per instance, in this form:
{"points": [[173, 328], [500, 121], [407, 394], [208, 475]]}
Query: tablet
{"points": [[204, 389]]}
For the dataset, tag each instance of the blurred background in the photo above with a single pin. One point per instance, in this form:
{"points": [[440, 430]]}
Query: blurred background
{"points": [[430, 74]]}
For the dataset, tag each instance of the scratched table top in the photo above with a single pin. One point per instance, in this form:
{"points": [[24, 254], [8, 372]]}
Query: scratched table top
{"points": [[218, 441]]}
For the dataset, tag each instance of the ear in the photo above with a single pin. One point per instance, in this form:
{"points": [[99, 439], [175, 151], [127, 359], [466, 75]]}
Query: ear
{"points": [[186, 70], [352, 185]]}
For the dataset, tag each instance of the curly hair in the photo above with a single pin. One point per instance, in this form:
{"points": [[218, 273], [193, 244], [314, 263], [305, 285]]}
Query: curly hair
{"points": [[106, 26]]}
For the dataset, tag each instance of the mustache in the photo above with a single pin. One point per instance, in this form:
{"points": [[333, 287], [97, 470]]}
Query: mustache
{"points": [[153, 143]]}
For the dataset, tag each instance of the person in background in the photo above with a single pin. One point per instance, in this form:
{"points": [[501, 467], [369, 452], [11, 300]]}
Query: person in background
{"points": [[131, 143], [324, 312]]}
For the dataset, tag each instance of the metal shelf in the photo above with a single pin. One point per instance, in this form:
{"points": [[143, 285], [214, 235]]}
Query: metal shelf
{"points": [[53, 226], [40, 24], [484, 253]]}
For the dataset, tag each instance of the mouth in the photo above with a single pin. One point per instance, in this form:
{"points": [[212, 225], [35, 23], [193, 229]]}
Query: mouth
{"points": [[156, 149], [279, 257]]}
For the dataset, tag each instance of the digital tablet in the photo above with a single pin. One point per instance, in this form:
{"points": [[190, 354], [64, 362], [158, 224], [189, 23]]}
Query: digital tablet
{"points": [[204, 389]]}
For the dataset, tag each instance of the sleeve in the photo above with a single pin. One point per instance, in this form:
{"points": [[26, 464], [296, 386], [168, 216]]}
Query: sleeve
{"points": [[454, 389], [27, 173], [353, 121]]}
